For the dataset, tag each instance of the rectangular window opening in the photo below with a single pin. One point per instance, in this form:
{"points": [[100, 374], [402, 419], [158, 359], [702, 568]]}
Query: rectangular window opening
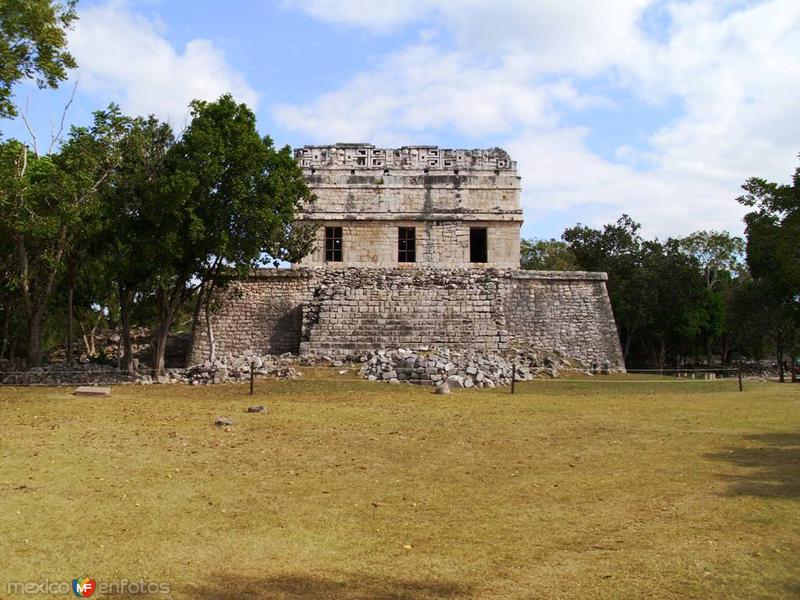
{"points": [[333, 244], [406, 244], [478, 247]]}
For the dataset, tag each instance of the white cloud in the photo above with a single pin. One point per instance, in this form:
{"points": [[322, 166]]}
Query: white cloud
{"points": [[564, 181], [363, 13], [422, 90], [584, 35], [126, 57], [516, 67]]}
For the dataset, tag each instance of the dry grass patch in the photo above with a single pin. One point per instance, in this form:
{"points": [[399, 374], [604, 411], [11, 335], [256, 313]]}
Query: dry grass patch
{"points": [[350, 489]]}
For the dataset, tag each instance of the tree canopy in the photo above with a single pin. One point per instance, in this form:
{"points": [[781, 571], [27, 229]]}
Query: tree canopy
{"points": [[33, 39]]}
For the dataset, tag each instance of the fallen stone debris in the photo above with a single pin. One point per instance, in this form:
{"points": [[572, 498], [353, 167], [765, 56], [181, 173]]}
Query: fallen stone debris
{"points": [[64, 374], [92, 391], [230, 368], [227, 369], [440, 367], [462, 369]]}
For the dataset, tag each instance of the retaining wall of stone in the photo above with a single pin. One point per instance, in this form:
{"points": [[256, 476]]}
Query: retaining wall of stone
{"points": [[341, 312]]}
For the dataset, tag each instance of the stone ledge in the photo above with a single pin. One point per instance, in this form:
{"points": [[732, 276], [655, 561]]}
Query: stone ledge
{"points": [[559, 275], [310, 272]]}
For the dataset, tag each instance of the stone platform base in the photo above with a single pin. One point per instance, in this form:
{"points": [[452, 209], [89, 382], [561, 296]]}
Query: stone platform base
{"points": [[347, 311]]}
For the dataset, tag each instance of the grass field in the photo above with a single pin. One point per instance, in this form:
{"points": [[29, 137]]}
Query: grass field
{"points": [[349, 489]]}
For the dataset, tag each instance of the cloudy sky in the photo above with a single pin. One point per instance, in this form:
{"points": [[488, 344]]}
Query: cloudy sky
{"points": [[656, 108]]}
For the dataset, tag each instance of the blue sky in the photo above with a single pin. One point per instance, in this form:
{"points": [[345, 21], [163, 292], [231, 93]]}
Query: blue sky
{"points": [[657, 108]]}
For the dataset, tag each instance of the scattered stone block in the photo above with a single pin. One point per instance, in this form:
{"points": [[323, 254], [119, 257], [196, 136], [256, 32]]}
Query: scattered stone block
{"points": [[90, 390]]}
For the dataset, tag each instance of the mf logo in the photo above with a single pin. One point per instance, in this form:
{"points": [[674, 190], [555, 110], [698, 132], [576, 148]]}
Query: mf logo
{"points": [[83, 587]]}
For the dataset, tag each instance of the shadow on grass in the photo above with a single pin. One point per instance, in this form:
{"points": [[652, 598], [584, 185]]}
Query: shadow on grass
{"points": [[292, 587], [773, 466]]}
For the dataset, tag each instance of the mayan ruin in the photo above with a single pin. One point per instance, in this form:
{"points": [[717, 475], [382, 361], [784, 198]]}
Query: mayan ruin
{"points": [[416, 247]]}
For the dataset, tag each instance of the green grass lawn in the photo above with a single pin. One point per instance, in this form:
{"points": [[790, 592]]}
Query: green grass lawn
{"points": [[349, 489]]}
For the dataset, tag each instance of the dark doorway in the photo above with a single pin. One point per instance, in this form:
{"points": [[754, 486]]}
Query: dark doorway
{"points": [[478, 248]]}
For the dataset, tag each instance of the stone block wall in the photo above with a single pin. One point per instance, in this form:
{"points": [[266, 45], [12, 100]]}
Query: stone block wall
{"points": [[360, 310], [369, 192], [443, 244], [565, 311], [341, 312], [262, 314]]}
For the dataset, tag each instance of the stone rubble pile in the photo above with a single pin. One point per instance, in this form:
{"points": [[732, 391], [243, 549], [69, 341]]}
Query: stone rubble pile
{"points": [[64, 374], [226, 369], [230, 368], [461, 369]]}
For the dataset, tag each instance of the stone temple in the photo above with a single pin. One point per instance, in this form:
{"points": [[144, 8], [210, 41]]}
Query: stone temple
{"points": [[412, 207], [416, 247]]}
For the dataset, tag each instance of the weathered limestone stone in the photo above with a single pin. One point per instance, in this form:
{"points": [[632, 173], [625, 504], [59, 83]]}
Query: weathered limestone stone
{"points": [[88, 390], [343, 312], [371, 301], [442, 389], [371, 192]]}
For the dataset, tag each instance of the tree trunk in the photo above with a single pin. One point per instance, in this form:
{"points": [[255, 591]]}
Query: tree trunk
{"points": [[125, 326], [160, 336], [165, 312], [726, 352], [70, 291], [708, 353], [627, 348], [35, 305], [35, 340], [779, 357], [6, 329]]}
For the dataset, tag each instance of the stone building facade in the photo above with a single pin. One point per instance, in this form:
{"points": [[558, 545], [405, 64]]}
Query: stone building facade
{"points": [[417, 247], [339, 312], [417, 206]]}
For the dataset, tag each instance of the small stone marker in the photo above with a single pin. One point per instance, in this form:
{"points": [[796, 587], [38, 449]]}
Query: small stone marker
{"points": [[90, 390], [442, 389], [257, 409], [223, 422]]}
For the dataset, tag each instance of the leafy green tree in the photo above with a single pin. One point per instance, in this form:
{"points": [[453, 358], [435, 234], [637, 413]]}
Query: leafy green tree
{"points": [[33, 43], [718, 252], [547, 255], [773, 254], [127, 236], [676, 305], [44, 201], [719, 255], [226, 205]]}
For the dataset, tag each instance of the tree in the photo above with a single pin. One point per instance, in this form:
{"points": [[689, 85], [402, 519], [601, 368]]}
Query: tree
{"points": [[718, 252], [45, 201], [617, 251], [33, 43], [226, 204], [719, 255], [547, 255], [773, 254], [126, 236]]}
